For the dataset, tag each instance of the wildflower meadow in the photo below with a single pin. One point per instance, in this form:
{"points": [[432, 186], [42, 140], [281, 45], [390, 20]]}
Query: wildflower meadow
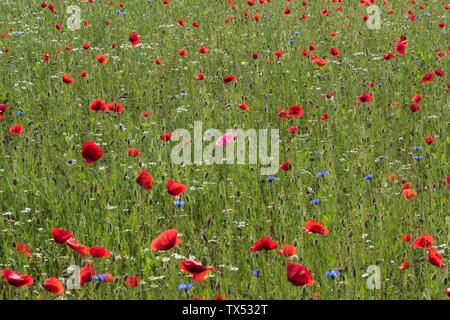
{"points": [[224, 149]]}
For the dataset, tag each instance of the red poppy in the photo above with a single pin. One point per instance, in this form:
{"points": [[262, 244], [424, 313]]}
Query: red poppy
{"points": [[286, 11], [99, 252], [324, 117], [286, 166], [255, 55], [60, 235], [264, 243], [407, 185], [388, 56], [166, 240], [101, 58], [298, 275], [54, 286], [2, 109], [325, 12], [364, 98], [16, 279], [293, 129], [295, 111], [203, 50], [91, 152], [406, 238], [195, 24], [414, 107], [77, 247], [116, 107], [435, 258], [86, 46], [23, 249], [83, 74], [58, 26], [134, 38], [400, 48], [282, 113], [313, 226], [404, 265], [16, 129], [132, 281], [429, 140], [145, 114], [278, 54], [182, 52], [158, 61], [447, 290], [439, 72], [334, 52], [427, 78], [219, 297], [243, 106], [68, 47], [145, 180], [417, 98], [166, 136], [67, 79], [133, 152], [181, 23], [329, 95], [175, 188], [195, 269], [287, 250], [86, 273], [409, 193], [229, 79], [98, 105], [423, 242], [200, 76]]}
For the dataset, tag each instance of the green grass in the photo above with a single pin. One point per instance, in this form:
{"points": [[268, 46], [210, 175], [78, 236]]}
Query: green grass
{"points": [[102, 205]]}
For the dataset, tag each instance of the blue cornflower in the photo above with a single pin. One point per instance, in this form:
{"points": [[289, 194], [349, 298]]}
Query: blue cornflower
{"points": [[420, 18], [118, 11], [380, 84], [427, 14], [185, 286], [100, 277], [250, 85], [370, 176], [291, 41], [417, 148], [296, 33], [322, 174], [188, 28], [19, 113], [319, 152], [179, 203], [124, 13], [333, 273], [149, 0], [256, 272], [418, 158], [17, 33], [36, 21], [315, 201], [183, 94], [270, 179], [56, 16]]}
